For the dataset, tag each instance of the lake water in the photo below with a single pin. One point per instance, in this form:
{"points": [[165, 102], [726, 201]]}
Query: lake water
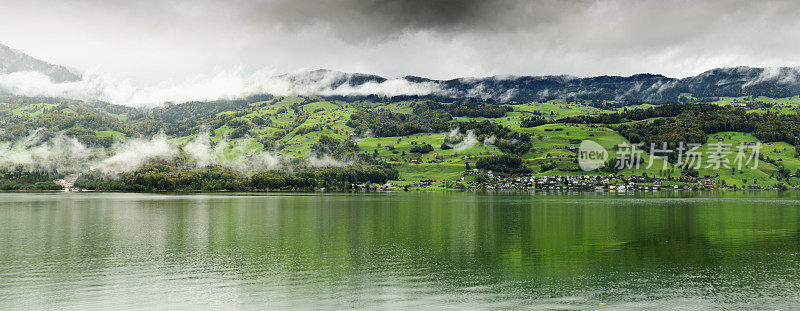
{"points": [[109, 251]]}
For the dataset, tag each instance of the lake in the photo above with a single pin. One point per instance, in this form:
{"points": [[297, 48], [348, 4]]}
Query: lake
{"points": [[117, 251]]}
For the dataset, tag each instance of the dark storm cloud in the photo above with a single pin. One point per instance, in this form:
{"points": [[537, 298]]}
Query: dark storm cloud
{"points": [[178, 42], [677, 37], [355, 20]]}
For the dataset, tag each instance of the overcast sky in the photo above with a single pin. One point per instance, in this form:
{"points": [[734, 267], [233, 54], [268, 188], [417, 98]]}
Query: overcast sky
{"points": [[154, 42]]}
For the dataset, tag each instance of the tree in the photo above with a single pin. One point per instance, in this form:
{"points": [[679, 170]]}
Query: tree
{"points": [[508, 164], [422, 149]]}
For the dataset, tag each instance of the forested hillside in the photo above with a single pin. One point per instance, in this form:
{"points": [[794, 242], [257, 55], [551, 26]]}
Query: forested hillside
{"points": [[309, 142]]}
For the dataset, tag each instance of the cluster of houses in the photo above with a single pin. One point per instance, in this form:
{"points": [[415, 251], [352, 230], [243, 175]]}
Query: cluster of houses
{"points": [[387, 187], [583, 182], [598, 182], [605, 183]]}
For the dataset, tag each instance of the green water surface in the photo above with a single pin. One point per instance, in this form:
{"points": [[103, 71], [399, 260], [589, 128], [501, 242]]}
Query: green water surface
{"points": [[110, 251]]}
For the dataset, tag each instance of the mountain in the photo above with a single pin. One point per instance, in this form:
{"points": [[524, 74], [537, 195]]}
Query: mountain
{"points": [[773, 82], [646, 88], [12, 60], [330, 78]]}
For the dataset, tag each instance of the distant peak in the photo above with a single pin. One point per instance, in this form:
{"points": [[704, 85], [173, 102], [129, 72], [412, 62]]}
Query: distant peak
{"points": [[12, 60]]}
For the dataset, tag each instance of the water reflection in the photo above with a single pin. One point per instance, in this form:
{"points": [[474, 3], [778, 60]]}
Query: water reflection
{"points": [[145, 251]]}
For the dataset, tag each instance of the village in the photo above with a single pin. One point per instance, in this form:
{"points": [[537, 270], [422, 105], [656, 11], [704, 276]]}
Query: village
{"points": [[488, 181]]}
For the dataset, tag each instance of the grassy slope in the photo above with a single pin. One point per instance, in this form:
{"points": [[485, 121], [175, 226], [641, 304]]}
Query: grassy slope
{"points": [[548, 145], [780, 105], [765, 174]]}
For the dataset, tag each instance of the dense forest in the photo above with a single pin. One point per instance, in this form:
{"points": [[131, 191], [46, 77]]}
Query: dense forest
{"points": [[471, 108], [180, 175], [19, 178], [384, 123]]}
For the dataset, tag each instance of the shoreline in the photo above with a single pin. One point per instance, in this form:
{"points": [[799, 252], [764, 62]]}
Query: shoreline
{"points": [[426, 190]]}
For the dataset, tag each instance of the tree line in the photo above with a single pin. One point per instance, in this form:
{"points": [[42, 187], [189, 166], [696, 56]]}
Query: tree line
{"points": [[178, 175]]}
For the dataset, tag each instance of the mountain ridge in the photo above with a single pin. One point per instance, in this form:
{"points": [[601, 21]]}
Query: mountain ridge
{"points": [[12, 60], [644, 87], [775, 82]]}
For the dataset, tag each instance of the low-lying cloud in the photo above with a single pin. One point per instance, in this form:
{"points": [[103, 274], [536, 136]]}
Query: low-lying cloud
{"points": [[229, 84], [781, 76], [46, 152], [236, 84], [133, 153], [35, 152], [461, 141], [236, 156]]}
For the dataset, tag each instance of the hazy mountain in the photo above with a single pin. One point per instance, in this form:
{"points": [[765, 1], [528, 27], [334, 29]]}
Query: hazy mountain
{"points": [[330, 78], [640, 88], [12, 60], [653, 88]]}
